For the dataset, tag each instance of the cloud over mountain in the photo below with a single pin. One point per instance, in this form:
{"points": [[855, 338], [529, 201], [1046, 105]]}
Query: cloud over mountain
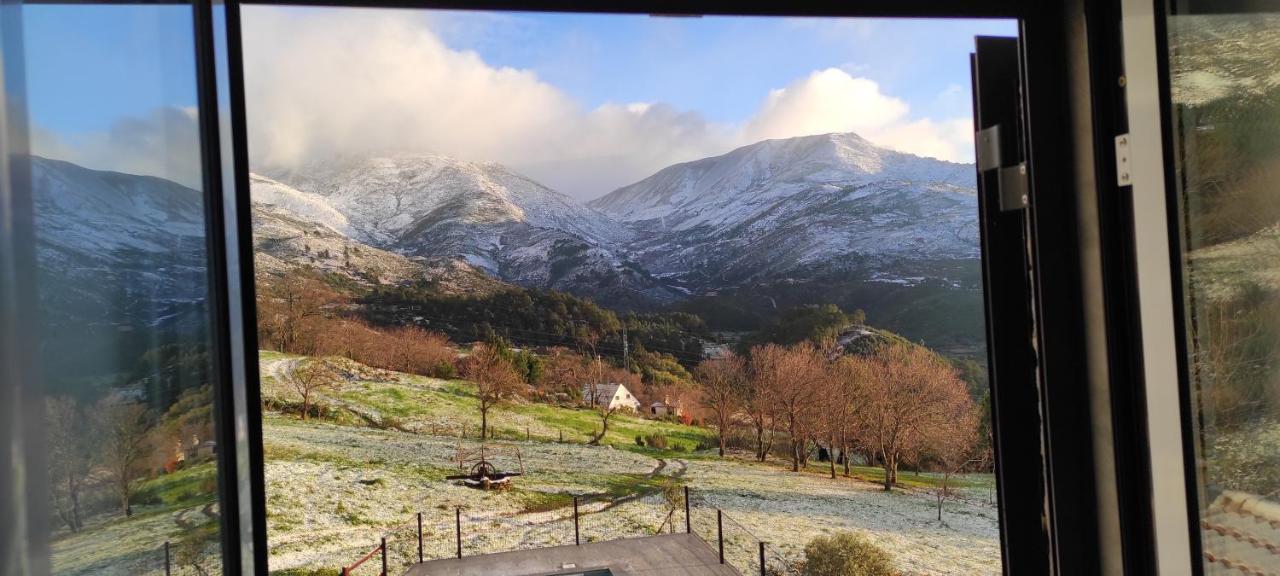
{"points": [[354, 82]]}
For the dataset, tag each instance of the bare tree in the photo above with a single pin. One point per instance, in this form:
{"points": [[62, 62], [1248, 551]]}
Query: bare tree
{"points": [[758, 403], [70, 457], [122, 430], [838, 396], [311, 376], [495, 380], [289, 309], [790, 377], [722, 381], [565, 371], [911, 393], [953, 443]]}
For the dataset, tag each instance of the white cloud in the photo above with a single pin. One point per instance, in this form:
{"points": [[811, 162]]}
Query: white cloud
{"points": [[358, 81], [366, 81], [825, 101], [950, 140], [164, 143], [832, 100]]}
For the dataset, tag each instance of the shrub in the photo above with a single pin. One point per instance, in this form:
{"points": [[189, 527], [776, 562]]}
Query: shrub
{"points": [[846, 554], [658, 441], [639, 440]]}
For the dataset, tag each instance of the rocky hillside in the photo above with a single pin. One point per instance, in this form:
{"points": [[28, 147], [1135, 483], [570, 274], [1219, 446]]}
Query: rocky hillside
{"points": [[799, 207], [485, 215]]}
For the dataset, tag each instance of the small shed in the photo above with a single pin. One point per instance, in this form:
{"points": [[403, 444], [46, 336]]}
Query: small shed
{"points": [[663, 408]]}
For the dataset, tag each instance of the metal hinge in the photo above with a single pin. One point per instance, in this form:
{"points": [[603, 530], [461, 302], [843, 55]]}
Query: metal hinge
{"points": [[1124, 175], [988, 152], [1013, 187], [1011, 179]]}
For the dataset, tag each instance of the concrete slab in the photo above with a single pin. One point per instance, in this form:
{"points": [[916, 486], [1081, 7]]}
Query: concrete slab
{"points": [[665, 555]]}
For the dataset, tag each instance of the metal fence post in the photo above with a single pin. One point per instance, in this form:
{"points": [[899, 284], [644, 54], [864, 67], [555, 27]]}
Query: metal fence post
{"points": [[419, 537], [720, 532], [688, 524], [762, 571], [458, 528], [384, 556], [576, 542], [166, 558]]}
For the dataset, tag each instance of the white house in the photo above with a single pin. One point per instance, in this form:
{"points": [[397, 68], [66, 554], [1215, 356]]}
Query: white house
{"points": [[610, 395]]}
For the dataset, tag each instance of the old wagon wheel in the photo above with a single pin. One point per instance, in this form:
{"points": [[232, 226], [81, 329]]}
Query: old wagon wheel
{"points": [[483, 469]]}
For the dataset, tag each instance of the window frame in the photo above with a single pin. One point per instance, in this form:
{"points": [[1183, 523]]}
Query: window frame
{"points": [[1172, 412], [1073, 521], [1069, 492]]}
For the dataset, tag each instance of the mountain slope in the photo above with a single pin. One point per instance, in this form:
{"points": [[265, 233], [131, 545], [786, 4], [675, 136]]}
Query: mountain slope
{"points": [[806, 205], [121, 278], [114, 246], [436, 207], [292, 229]]}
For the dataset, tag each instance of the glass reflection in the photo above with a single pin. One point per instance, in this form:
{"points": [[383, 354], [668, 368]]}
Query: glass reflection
{"points": [[1226, 98], [124, 343]]}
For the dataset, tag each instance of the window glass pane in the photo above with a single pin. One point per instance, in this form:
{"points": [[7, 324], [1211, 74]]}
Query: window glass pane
{"points": [[1227, 120], [507, 259], [122, 276]]}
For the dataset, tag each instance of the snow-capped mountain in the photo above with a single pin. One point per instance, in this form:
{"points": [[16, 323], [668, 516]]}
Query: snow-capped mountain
{"points": [[436, 207], [801, 205], [113, 247], [121, 273], [121, 251], [387, 199], [284, 239]]}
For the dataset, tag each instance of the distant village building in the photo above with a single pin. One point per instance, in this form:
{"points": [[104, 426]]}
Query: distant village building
{"points": [[712, 350], [663, 408], [198, 449], [610, 395]]}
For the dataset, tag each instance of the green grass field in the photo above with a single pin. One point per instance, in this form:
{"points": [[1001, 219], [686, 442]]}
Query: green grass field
{"points": [[449, 407]]}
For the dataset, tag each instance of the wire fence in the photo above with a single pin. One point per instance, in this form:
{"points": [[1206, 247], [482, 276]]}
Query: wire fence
{"points": [[735, 544], [178, 558], [459, 532]]}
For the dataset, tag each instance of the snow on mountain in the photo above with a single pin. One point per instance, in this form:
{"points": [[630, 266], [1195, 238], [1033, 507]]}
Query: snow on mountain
{"points": [[515, 229], [781, 206], [284, 240], [311, 207], [111, 213], [386, 198], [116, 249]]}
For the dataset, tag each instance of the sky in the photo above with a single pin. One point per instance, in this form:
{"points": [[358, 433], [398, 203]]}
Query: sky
{"points": [[582, 103]]}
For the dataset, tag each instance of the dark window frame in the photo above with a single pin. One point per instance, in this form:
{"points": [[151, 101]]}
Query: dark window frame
{"points": [[1069, 460], [1067, 455]]}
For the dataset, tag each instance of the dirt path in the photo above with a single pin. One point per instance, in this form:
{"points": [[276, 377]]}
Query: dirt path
{"points": [[281, 369]]}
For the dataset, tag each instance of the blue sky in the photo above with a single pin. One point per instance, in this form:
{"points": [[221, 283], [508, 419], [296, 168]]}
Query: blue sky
{"points": [[723, 66], [91, 66], [582, 102]]}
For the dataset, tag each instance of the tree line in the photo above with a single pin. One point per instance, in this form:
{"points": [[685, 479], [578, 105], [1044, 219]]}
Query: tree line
{"points": [[898, 402], [888, 401], [103, 450]]}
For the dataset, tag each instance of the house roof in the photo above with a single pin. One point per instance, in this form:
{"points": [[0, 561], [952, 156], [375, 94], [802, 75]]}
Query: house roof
{"points": [[604, 389], [1241, 534]]}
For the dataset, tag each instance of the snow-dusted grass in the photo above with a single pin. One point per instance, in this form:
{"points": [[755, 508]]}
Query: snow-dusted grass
{"points": [[333, 490], [789, 509], [111, 544], [335, 487]]}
